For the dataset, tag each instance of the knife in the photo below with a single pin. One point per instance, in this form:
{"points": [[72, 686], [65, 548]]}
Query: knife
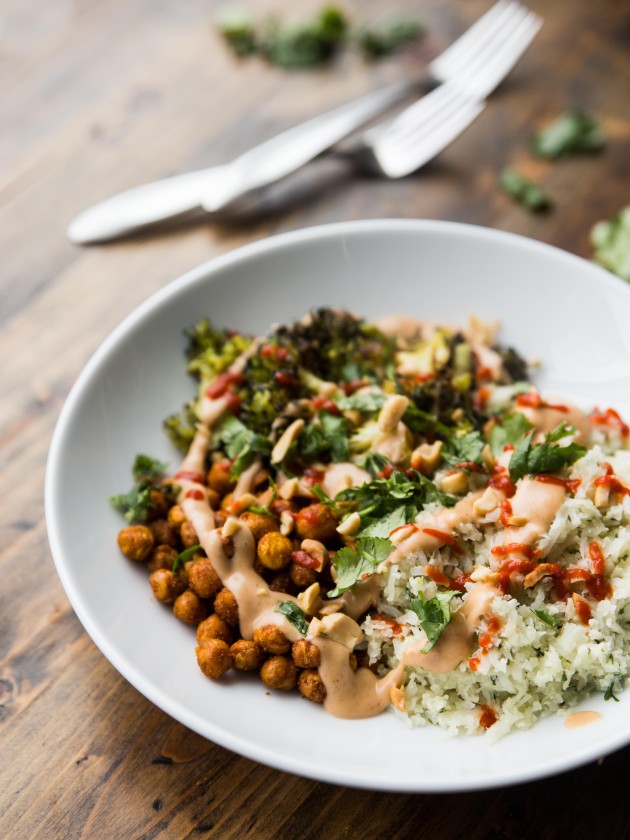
{"points": [[180, 195]]}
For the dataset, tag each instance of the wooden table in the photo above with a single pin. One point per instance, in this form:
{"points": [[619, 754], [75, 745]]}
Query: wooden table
{"points": [[99, 95]]}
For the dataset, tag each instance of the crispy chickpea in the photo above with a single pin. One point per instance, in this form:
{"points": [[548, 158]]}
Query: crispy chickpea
{"points": [[305, 654], [189, 608], [165, 585], [272, 639], [259, 523], [164, 533], [279, 672], [159, 506], [203, 579], [281, 583], [214, 627], [226, 607], [214, 500], [176, 517], [162, 557], [214, 658], [311, 685], [247, 656], [260, 479], [136, 542], [188, 535], [219, 477], [301, 576], [219, 518], [274, 550], [316, 522]]}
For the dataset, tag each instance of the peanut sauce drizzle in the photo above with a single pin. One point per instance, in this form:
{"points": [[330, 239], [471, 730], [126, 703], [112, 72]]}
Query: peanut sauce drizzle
{"points": [[359, 694]]}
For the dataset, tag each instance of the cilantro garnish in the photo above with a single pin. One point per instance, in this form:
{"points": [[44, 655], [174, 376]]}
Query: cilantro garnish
{"points": [[294, 615], [509, 431], [322, 496], [434, 614], [377, 43], [374, 500], [329, 437], [574, 131], [136, 505], [609, 694], [146, 467], [530, 459], [466, 447], [373, 462], [354, 564], [241, 443], [547, 618], [524, 191], [184, 557], [611, 240], [367, 402], [383, 527]]}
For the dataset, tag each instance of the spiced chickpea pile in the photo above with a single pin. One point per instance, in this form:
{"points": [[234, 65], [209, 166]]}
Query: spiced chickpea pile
{"points": [[295, 542]]}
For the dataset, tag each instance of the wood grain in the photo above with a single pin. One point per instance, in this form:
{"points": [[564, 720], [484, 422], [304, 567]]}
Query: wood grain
{"points": [[100, 95]]}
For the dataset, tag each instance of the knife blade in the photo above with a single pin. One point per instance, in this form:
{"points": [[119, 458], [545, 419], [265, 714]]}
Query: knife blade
{"points": [[179, 195]]}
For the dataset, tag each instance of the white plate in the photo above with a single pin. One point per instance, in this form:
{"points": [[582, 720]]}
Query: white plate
{"points": [[553, 306]]}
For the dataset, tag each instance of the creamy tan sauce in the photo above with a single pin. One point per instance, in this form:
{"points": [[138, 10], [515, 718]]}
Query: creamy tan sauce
{"points": [[457, 642], [578, 719], [447, 520], [539, 503], [356, 600], [352, 694], [244, 483]]}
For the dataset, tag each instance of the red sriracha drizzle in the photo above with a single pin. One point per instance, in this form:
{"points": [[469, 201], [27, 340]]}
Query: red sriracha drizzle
{"points": [[195, 494], [190, 475], [222, 383], [302, 558], [611, 481], [395, 626], [501, 481], [597, 557], [323, 404], [532, 399], [447, 539], [569, 484], [487, 718], [609, 417]]}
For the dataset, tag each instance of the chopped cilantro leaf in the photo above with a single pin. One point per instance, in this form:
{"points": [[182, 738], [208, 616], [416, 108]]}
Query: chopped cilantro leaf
{"points": [[383, 527], [376, 43], [329, 437], [531, 459], [376, 499], [241, 443], [294, 615], [510, 431], [466, 447], [574, 131], [146, 467], [524, 191], [611, 240], [319, 492], [367, 402], [434, 614], [547, 618], [373, 462], [184, 557], [354, 564], [609, 694], [136, 504]]}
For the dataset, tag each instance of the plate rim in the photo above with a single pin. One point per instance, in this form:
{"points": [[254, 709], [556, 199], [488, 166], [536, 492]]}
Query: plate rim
{"points": [[206, 727]]}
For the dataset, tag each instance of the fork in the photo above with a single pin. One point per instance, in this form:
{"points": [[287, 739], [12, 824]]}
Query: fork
{"points": [[477, 61], [470, 69]]}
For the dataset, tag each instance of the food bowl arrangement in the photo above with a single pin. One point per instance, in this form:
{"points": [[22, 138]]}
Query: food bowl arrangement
{"points": [[553, 307]]}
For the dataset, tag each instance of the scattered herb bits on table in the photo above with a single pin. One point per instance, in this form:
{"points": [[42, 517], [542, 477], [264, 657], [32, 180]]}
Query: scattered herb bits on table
{"points": [[391, 515]]}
